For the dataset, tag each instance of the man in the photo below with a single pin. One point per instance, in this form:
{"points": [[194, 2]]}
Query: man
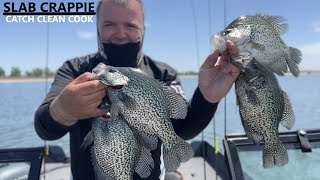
{"points": [[73, 99]]}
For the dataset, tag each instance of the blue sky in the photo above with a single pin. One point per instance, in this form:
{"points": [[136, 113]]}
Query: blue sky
{"points": [[170, 33]]}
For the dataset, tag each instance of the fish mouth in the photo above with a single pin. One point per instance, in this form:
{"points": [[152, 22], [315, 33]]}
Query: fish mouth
{"points": [[241, 60], [105, 105], [106, 116], [117, 87]]}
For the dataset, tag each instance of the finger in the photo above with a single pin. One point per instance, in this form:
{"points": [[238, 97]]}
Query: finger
{"points": [[82, 78], [95, 104], [93, 98], [211, 60], [97, 112], [231, 50], [91, 87], [231, 47], [222, 61]]}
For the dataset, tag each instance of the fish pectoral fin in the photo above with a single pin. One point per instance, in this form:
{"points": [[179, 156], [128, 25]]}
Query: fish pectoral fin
{"points": [[257, 46], [252, 97], [288, 117], [279, 70], [176, 101], [87, 140], [145, 163]]}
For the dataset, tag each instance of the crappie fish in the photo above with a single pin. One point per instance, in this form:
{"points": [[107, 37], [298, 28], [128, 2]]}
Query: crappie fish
{"points": [[263, 105], [147, 105], [116, 152], [259, 37]]}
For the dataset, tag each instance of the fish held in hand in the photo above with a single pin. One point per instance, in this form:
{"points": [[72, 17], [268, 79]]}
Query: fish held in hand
{"points": [[263, 105], [147, 105], [259, 37], [116, 152]]}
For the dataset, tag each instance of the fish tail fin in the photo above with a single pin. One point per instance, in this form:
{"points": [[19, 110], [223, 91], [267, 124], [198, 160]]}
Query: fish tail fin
{"points": [[174, 156], [293, 60], [274, 154]]}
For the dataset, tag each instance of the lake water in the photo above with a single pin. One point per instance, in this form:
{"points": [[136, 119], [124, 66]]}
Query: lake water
{"points": [[19, 101]]}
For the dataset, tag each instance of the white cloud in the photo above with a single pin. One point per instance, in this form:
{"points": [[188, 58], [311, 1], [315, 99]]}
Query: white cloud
{"points": [[310, 56], [311, 49], [86, 34]]}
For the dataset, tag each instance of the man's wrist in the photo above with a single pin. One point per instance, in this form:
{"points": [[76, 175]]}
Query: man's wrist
{"points": [[58, 114]]}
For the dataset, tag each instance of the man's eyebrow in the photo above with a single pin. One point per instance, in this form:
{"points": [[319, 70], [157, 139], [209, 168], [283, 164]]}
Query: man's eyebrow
{"points": [[108, 21], [132, 23]]}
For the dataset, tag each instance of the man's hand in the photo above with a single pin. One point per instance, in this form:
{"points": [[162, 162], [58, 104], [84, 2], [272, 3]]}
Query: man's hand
{"points": [[78, 100], [217, 75]]}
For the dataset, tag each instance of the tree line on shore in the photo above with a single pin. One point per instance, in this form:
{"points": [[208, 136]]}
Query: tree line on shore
{"points": [[36, 72], [42, 72]]}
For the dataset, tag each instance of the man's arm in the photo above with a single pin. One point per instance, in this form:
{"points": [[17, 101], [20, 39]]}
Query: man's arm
{"points": [[46, 127], [200, 113]]}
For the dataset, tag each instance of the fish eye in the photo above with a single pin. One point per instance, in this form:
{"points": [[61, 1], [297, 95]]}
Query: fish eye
{"points": [[95, 71], [228, 31], [112, 70]]}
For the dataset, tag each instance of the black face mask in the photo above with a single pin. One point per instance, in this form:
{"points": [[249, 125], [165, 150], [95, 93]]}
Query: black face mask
{"points": [[126, 55]]}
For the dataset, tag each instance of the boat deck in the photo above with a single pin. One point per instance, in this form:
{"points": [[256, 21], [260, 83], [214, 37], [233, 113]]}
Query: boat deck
{"points": [[191, 170]]}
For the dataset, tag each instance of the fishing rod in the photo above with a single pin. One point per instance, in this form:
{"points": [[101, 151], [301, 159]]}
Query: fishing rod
{"points": [[46, 147], [215, 138], [195, 25], [225, 98]]}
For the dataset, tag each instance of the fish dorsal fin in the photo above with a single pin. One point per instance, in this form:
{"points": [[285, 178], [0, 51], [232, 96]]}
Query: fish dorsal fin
{"points": [[277, 22], [178, 105], [288, 117], [145, 163]]}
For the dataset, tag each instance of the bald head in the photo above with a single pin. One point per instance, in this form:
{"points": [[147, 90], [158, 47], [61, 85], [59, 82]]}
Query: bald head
{"points": [[119, 2]]}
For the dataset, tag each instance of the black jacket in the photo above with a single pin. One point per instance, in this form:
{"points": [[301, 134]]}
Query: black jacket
{"points": [[200, 112]]}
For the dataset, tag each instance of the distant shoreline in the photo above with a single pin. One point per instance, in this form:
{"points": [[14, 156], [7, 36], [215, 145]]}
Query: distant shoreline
{"points": [[24, 79], [42, 79]]}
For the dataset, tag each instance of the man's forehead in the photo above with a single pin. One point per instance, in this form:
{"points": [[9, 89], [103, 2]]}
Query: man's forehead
{"points": [[131, 9]]}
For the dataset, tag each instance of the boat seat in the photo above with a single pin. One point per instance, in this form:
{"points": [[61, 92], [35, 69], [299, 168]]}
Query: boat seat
{"points": [[21, 163]]}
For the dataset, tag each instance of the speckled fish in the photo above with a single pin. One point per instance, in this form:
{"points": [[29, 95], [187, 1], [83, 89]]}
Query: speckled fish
{"points": [[147, 105], [259, 37], [116, 152], [263, 105]]}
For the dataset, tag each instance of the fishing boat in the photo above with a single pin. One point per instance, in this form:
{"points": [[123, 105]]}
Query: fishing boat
{"points": [[241, 160]]}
